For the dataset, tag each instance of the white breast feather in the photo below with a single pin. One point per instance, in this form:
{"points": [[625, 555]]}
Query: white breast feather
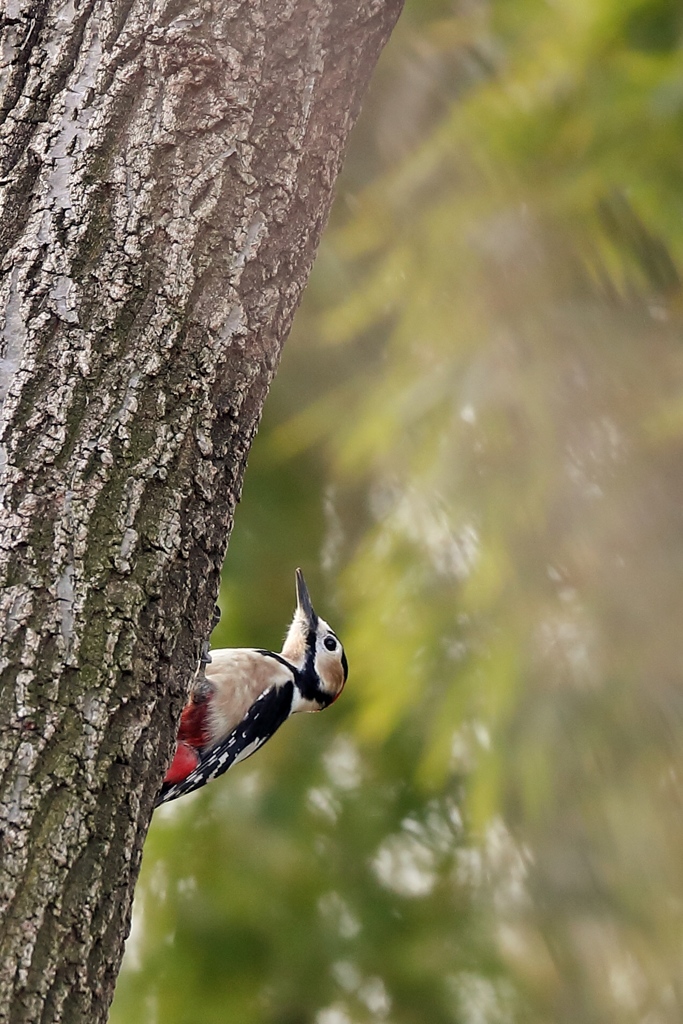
{"points": [[239, 675]]}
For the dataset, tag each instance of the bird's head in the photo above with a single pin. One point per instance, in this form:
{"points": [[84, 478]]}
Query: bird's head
{"points": [[315, 650]]}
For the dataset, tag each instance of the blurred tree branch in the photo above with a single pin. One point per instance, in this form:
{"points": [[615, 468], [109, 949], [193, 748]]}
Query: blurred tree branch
{"points": [[167, 171]]}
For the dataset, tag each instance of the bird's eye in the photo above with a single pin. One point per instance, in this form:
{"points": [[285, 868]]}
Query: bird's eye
{"points": [[330, 643]]}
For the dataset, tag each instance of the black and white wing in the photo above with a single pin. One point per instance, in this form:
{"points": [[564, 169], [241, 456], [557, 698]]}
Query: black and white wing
{"points": [[264, 717]]}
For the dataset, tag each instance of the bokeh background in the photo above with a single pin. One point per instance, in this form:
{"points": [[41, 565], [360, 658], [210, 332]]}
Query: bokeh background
{"points": [[474, 448]]}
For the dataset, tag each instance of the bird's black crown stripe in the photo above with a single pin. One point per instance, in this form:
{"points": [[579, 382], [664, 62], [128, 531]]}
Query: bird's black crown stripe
{"points": [[311, 639]]}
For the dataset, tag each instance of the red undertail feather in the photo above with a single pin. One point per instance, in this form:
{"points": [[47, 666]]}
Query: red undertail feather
{"points": [[185, 760], [194, 724], [192, 736]]}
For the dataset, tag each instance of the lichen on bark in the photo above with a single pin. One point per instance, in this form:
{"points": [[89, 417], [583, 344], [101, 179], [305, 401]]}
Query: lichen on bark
{"points": [[166, 171]]}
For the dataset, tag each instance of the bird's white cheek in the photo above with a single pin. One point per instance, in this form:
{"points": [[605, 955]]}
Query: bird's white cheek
{"points": [[332, 674]]}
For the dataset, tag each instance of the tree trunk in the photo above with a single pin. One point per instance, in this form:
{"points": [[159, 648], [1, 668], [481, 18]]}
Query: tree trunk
{"points": [[167, 168]]}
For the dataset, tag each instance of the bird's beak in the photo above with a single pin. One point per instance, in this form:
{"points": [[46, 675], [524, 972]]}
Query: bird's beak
{"points": [[303, 601]]}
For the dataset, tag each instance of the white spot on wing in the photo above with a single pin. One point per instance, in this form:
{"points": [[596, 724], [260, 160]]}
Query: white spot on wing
{"points": [[250, 749]]}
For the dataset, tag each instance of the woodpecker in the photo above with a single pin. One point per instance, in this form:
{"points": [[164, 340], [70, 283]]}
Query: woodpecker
{"points": [[249, 693]]}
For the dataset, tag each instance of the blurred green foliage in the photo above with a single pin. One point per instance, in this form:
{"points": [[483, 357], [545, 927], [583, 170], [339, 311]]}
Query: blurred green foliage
{"points": [[474, 448]]}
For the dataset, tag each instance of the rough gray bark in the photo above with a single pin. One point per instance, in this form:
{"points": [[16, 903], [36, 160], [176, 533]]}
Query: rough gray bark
{"points": [[166, 170]]}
